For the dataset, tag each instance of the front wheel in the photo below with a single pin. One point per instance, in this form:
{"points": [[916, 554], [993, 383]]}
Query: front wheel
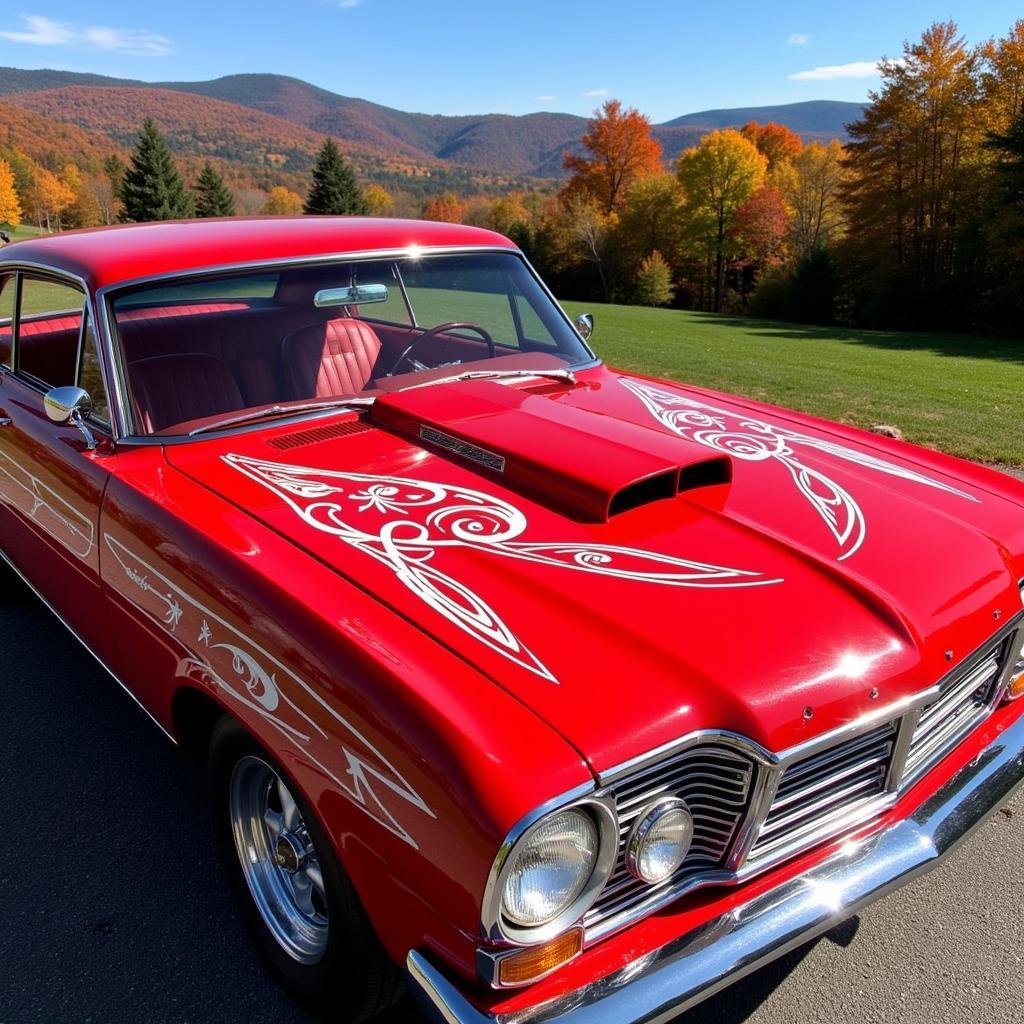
{"points": [[291, 889]]}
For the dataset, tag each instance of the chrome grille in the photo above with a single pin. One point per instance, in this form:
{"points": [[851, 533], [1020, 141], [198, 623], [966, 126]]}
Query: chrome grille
{"points": [[825, 789], [715, 782], [962, 704]]}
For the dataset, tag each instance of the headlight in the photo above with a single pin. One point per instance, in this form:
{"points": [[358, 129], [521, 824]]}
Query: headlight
{"points": [[660, 841], [549, 868]]}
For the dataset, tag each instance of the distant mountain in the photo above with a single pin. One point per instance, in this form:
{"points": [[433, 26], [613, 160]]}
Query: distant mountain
{"points": [[246, 117], [815, 118]]}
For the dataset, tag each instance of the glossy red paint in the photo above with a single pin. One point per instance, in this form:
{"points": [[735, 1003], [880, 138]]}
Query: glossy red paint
{"points": [[762, 587], [109, 256]]}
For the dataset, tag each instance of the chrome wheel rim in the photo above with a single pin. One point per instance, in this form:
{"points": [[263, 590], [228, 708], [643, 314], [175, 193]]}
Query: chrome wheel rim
{"points": [[278, 860]]}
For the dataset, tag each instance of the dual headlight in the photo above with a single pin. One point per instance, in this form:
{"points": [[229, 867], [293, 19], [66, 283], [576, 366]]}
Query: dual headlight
{"points": [[555, 870]]}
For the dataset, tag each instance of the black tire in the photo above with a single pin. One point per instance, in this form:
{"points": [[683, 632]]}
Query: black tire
{"points": [[355, 979]]}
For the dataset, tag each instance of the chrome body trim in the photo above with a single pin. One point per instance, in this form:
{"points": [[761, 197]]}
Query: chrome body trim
{"points": [[602, 810], [769, 768], [115, 395], [657, 987], [113, 675]]}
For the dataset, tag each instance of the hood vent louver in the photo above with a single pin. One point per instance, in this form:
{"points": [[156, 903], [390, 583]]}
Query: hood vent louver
{"points": [[583, 464], [313, 435]]}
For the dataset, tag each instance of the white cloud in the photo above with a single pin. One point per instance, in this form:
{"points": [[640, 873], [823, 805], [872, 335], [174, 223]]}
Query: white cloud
{"points": [[596, 92], [132, 42], [42, 32], [545, 98], [799, 39], [347, 4], [830, 72]]}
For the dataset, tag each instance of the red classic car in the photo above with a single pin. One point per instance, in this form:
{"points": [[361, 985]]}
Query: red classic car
{"points": [[576, 694]]}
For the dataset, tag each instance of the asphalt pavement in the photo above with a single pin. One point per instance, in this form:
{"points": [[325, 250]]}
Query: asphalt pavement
{"points": [[113, 907]]}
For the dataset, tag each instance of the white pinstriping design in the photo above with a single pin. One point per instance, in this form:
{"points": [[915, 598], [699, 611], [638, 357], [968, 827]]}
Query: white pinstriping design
{"points": [[405, 524], [220, 657], [754, 440]]}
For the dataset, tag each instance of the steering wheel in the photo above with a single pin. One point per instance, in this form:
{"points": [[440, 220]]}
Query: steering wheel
{"points": [[455, 325]]}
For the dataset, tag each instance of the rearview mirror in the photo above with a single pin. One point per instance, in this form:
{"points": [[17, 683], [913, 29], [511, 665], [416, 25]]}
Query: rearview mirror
{"points": [[70, 405], [585, 325], [357, 295]]}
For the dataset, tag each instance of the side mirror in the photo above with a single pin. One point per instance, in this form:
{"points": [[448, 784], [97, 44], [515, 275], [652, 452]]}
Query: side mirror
{"points": [[585, 325], [70, 405]]}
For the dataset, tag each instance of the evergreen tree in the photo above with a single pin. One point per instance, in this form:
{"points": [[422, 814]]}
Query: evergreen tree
{"points": [[213, 197], [335, 189], [152, 188]]}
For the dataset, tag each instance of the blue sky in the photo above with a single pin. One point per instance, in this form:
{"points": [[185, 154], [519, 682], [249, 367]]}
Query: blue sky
{"points": [[666, 58]]}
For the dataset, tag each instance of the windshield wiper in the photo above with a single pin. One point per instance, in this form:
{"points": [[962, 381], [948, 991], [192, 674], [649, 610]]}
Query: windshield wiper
{"points": [[566, 375], [254, 415]]}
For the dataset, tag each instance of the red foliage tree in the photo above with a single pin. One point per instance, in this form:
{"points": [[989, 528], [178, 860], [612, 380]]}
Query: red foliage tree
{"points": [[760, 226]]}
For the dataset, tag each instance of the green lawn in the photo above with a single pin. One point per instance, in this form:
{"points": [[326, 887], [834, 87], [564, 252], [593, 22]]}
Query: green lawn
{"points": [[962, 394]]}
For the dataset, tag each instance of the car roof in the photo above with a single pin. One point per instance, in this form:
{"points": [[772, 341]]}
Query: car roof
{"points": [[111, 255]]}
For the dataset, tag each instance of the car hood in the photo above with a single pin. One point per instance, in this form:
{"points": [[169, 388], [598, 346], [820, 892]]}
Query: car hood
{"points": [[637, 560]]}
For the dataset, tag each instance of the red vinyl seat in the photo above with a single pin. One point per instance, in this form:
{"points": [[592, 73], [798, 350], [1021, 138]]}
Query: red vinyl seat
{"points": [[177, 388], [332, 358]]}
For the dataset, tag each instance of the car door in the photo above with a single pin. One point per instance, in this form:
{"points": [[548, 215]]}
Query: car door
{"points": [[51, 481]]}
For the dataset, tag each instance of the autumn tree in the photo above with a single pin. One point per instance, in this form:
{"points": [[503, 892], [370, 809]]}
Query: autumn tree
{"points": [[914, 178], [84, 211], [811, 183], [48, 197], [622, 151], [213, 197], [334, 189], [10, 205], [152, 188], [1002, 78], [653, 282], [778, 143], [446, 207], [1005, 228], [379, 201], [718, 176], [505, 212], [760, 227], [282, 202], [652, 219]]}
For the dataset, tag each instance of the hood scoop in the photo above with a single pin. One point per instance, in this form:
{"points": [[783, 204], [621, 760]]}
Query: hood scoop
{"points": [[582, 463]]}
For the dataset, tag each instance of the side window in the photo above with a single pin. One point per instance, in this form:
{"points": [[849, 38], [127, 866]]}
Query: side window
{"points": [[90, 376], [7, 287], [49, 325]]}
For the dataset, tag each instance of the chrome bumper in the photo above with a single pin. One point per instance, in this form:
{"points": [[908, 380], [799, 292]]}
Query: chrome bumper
{"points": [[674, 978]]}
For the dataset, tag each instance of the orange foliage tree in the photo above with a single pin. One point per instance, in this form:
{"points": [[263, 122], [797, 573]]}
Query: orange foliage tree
{"points": [[777, 142], [10, 206], [446, 208], [622, 152]]}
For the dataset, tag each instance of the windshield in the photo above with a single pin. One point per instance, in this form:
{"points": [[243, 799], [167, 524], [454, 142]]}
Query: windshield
{"points": [[200, 349]]}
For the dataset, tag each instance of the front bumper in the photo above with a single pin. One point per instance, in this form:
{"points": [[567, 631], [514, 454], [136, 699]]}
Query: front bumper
{"points": [[674, 978]]}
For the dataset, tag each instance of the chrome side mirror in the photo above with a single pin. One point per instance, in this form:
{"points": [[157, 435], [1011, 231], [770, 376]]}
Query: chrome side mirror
{"points": [[585, 325], [70, 405]]}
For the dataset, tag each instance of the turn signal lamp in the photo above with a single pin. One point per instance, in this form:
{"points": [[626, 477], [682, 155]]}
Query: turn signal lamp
{"points": [[1016, 687], [534, 962]]}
